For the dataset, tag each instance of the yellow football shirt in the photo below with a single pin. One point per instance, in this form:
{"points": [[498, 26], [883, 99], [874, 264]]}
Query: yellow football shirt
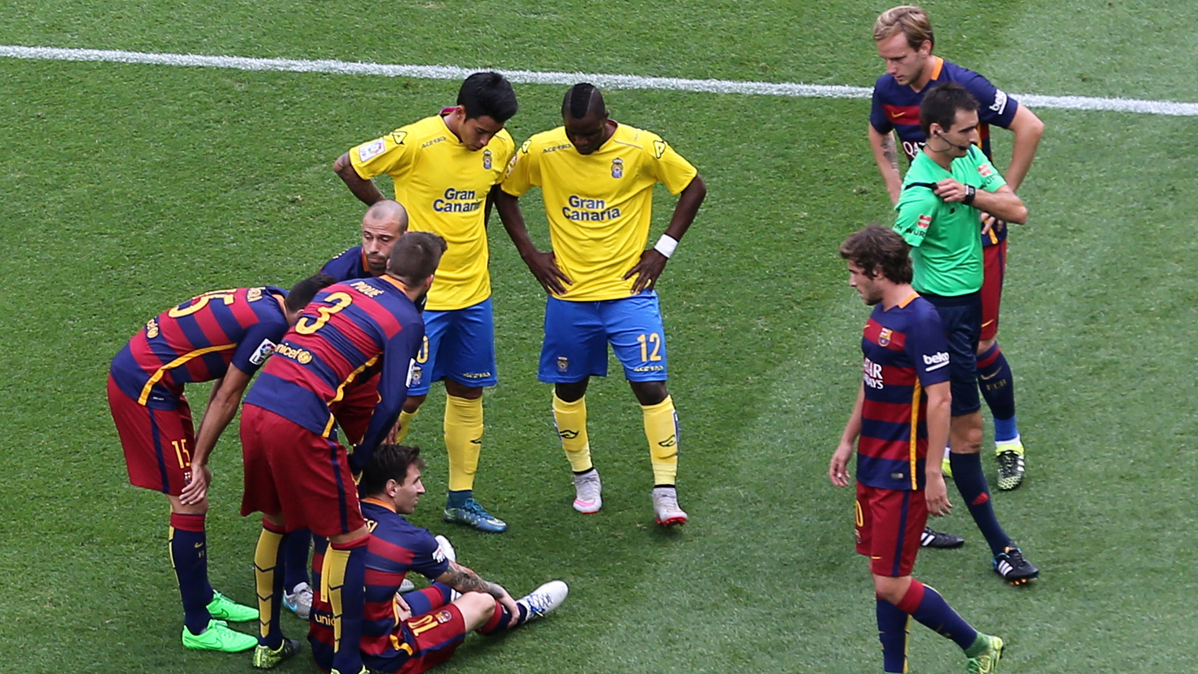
{"points": [[444, 187], [599, 205]]}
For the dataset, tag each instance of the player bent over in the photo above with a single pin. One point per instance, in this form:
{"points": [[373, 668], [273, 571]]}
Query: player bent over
{"points": [[297, 474], [224, 337], [411, 633], [382, 225], [597, 179], [903, 407], [445, 169]]}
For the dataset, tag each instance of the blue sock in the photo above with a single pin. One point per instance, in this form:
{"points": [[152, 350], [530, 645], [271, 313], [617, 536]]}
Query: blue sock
{"points": [[998, 388], [971, 482], [892, 632], [424, 601], [296, 545], [189, 556], [927, 606], [458, 498]]}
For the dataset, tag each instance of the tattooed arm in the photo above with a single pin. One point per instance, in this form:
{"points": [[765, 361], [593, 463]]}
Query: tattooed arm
{"points": [[464, 580], [886, 156]]}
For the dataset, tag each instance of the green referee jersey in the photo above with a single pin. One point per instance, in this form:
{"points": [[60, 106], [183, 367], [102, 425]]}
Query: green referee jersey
{"points": [[946, 246]]}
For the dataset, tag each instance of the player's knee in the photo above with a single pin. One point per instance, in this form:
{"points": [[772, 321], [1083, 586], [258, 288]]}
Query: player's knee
{"points": [[478, 604], [890, 589], [570, 392], [457, 390], [649, 392], [413, 403]]}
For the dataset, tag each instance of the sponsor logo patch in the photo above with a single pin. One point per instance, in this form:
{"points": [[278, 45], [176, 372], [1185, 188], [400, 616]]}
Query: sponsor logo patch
{"points": [[371, 150], [1000, 101], [264, 350], [925, 221], [936, 360]]}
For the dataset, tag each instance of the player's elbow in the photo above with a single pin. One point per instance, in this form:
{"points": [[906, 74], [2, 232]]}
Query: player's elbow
{"points": [[341, 164], [1018, 215], [697, 189]]}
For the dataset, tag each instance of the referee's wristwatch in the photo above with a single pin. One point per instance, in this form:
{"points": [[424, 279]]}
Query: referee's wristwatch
{"points": [[970, 193]]}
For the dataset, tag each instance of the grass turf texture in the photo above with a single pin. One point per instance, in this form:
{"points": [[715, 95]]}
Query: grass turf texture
{"points": [[130, 188]]}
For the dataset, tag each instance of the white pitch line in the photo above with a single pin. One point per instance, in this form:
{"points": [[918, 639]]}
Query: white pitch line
{"points": [[787, 89]]}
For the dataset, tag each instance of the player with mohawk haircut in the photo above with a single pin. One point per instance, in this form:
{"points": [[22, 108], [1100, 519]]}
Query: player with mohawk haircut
{"points": [[597, 178]]}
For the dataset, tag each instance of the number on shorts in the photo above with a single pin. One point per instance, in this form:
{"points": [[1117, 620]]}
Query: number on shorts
{"points": [[196, 303], [645, 340], [422, 355], [307, 326], [422, 625], [182, 453]]}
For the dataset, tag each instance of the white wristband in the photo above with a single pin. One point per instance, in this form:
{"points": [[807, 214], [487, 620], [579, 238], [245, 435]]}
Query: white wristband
{"points": [[666, 245]]}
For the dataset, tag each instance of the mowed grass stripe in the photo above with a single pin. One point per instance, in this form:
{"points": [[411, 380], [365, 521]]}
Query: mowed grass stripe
{"points": [[438, 72]]}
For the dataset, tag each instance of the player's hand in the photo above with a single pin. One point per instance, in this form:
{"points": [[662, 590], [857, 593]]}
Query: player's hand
{"points": [[646, 271], [392, 434], [950, 190], [544, 267], [196, 490], [937, 495], [403, 611], [510, 604], [838, 468], [991, 223]]}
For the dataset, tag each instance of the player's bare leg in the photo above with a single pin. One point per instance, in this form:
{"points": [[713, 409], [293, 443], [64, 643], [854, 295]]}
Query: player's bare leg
{"points": [[661, 430], [204, 608], [463, 443], [570, 419]]}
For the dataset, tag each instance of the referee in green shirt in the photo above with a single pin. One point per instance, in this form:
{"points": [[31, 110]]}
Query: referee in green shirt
{"points": [[938, 215]]}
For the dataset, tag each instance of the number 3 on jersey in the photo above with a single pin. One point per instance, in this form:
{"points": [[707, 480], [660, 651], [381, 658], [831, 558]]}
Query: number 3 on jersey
{"points": [[337, 302]]}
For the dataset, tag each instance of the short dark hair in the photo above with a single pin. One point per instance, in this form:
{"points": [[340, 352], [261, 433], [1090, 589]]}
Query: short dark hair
{"points": [[878, 250], [416, 256], [389, 462], [488, 94], [942, 104], [582, 99], [302, 293]]}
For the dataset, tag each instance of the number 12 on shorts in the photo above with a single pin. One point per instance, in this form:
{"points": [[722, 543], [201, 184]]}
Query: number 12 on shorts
{"points": [[647, 342]]}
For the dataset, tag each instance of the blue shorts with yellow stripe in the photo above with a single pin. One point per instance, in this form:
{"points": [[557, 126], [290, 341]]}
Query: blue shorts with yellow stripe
{"points": [[577, 335]]}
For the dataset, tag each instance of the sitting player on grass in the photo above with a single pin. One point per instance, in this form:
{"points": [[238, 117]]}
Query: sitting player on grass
{"points": [[413, 632]]}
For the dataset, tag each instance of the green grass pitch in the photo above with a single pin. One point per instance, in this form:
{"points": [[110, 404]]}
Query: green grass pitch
{"points": [[127, 188]]}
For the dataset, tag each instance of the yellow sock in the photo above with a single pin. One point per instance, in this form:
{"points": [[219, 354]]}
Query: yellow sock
{"points": [[571, 422], [332, 578], [405, 422], [266, 555], [661, 429], [463, 439]]}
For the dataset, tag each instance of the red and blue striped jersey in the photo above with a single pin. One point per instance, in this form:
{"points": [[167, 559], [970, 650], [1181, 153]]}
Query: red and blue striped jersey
{"points": [[396, 547], [198, 340], [896, 107], [346, 334], [348, 266], [905, 352]]}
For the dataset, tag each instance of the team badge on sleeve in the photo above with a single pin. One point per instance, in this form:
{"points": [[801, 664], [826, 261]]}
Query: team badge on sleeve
{"points": [[371, 150], [264, 350]]}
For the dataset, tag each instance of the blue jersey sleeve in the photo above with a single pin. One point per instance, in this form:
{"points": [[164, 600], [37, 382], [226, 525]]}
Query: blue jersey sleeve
{"points": [[258, 343], [399, 357], [994, 105], [877, 115], [427, 557], [927, 347], [346, 266]]}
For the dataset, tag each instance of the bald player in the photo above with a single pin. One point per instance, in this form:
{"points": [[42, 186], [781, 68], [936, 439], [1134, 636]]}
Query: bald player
{"points": [[382, 225]]}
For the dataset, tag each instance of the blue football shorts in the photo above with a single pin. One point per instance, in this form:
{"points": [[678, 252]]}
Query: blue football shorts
{"points": [[577, 335], [459, 345], [962, 319]]}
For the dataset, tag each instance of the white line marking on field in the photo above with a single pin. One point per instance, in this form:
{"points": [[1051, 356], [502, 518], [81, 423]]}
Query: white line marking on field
{"points": [[787, 89]]}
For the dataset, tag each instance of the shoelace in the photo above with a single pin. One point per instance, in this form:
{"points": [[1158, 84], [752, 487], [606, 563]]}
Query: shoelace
{"points": [[1015, 557], [538, 602]]}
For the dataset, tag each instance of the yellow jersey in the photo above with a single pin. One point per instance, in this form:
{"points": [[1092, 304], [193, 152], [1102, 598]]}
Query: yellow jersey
{"points": [[444, 187], [599, 205]]}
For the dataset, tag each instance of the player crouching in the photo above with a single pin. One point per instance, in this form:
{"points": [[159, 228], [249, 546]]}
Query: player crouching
{"points": [[413, 632]]}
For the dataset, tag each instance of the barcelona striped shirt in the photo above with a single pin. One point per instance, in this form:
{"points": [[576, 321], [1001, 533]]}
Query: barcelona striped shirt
{"points": [[348, 266], [345, 335], [905, 351], [197, 341]]}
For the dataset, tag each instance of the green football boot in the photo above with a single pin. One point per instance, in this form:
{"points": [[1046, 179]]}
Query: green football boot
{"points": [[986, 662], [1010, 464], [218, 637], [223, 608]]}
